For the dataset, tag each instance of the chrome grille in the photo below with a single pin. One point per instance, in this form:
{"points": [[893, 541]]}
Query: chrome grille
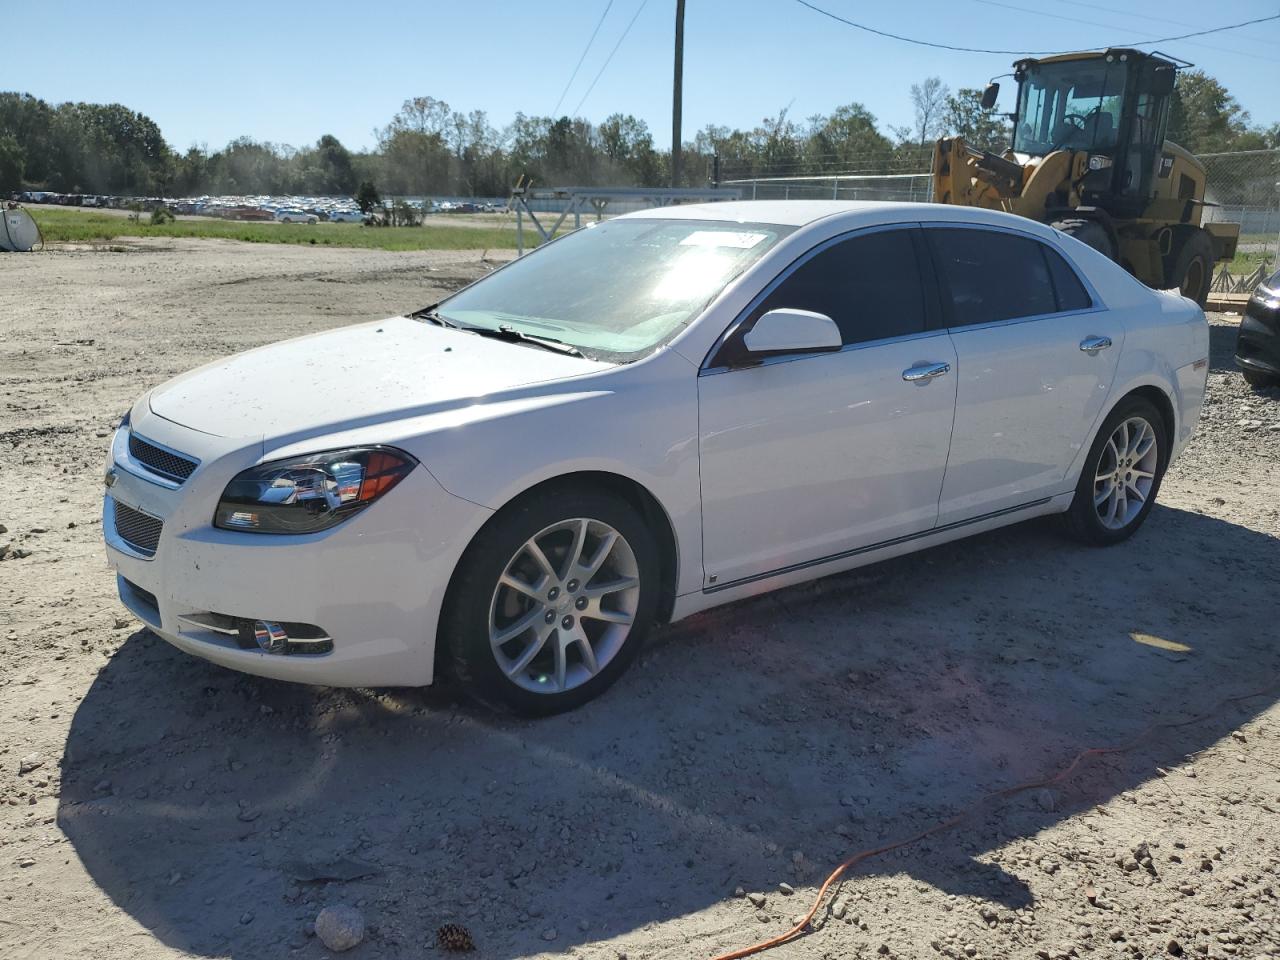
{"points": [[137, 529], [172, 466]]}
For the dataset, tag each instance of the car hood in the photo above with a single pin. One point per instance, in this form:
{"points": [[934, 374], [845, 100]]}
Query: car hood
{"points": [[354, 376]]}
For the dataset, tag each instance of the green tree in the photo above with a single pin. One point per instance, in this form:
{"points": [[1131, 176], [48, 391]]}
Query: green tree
{"points": [[964, 116], [1203, 116], [12, 164], [336, 175], [367, 197], [847, 139], [628, 146]]}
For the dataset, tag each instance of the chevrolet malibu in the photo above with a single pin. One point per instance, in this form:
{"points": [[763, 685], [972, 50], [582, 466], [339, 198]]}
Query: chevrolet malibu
{"points": [[657, 414]]}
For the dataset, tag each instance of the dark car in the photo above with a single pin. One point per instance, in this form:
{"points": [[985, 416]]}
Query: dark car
{"points": [[1258, 344]]}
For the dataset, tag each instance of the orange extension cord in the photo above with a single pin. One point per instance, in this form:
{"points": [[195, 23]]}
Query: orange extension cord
{"points": [[1005, 794]]}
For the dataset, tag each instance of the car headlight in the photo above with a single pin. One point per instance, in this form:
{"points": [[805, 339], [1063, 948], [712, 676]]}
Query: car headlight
{"points": [[311, 493]]}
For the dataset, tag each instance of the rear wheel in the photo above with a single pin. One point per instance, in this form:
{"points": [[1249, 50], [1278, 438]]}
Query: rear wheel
{"points": [[1089, 232], [552, 601], [1121, 475], [1193, 267]]}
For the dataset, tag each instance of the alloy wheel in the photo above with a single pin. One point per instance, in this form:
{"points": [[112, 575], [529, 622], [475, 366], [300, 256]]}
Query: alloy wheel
{"points": [[1125, 473], [564, 605]]}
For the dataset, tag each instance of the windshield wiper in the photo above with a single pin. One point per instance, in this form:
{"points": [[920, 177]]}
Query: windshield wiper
{"points": [[431, 315], [503, 332], [512, 335]]}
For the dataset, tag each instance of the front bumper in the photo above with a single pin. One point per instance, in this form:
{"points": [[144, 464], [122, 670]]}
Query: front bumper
{"points": [[1258, 341], [373, 584]]}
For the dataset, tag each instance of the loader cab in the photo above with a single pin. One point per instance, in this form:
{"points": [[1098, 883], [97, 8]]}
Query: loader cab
{"points": [[1113, 106]]}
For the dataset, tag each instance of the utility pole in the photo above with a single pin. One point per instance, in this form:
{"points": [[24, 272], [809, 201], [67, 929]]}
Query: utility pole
{"points": [[677, 94]]}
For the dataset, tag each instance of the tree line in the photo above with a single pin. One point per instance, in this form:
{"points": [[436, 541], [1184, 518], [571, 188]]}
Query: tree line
{"points": [[428, 148]]}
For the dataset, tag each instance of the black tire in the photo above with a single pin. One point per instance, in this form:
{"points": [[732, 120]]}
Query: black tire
{"points": [[473, 597], [1192, 271], [1260, 380], [1089, 232], [1083, 519]]}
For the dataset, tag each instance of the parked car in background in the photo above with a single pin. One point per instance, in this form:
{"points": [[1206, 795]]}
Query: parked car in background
{"points": [[294, 215], [246, 212], [1258, 342], [516, 485], [346, 216]]}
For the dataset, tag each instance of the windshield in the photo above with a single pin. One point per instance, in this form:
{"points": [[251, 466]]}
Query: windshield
{"points": [[1073, 104], [617, 289]]}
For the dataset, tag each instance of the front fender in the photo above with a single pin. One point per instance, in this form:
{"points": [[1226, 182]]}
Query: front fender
{"points": [[643, 428]]}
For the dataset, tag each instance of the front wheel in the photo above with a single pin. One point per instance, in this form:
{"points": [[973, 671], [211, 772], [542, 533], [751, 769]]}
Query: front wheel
{"points": [[551, 601], [1121, 474]]}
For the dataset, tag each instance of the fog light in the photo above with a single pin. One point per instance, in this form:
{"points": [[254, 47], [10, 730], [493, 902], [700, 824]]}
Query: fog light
{"points": [[270, 636]]}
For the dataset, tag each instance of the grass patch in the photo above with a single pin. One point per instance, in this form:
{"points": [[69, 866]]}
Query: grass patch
{"points": [[74, 226], [1246, 261]]}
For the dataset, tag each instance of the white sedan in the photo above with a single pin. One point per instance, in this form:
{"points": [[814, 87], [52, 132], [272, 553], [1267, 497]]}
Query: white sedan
{"points": [[295, 215], [654, 415]]}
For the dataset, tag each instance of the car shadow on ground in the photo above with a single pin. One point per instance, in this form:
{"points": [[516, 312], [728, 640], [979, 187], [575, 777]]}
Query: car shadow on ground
{"points": [[751, 745], [1222, 346]]}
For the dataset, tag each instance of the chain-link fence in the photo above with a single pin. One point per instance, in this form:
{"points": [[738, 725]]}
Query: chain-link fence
{"points": [[1243, 188], [844, 186]]}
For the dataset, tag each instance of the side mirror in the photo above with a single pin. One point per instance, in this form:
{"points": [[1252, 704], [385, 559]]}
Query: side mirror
{"points": [[989, 95], [788, 331]]}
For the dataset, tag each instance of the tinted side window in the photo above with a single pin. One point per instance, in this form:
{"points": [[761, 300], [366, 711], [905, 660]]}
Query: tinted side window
{"points": [[869, 285], [992, 276], [1071, 292]]}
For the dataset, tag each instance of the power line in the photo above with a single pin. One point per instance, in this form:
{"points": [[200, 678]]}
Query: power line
{"points": [[585, 50], [1017, 53], [1146, 17], [1097, 23], [609, 58]]}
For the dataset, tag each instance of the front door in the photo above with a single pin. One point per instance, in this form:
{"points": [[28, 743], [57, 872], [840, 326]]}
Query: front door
{"points": [[806, 458]]}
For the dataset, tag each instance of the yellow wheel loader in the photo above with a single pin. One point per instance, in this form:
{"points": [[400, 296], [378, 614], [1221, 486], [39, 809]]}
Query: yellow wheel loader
{"points": [[1089, 157]]}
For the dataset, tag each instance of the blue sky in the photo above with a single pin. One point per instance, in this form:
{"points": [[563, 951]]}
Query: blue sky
{"points": [[289, 71]]}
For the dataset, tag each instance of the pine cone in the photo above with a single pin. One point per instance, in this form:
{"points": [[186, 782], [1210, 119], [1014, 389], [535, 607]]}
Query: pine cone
{"points": [[454, 936]]}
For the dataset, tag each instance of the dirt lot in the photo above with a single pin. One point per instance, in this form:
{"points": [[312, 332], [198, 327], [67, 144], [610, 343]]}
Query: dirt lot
{"points": [[152, 805]]}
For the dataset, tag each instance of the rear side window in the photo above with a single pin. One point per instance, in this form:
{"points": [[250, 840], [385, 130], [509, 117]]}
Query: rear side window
{"points": [[869, 285], [1071, 293], [992, 276]]}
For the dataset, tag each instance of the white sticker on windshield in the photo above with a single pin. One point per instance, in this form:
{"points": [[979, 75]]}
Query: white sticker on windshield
{"points": [[722, 238]]}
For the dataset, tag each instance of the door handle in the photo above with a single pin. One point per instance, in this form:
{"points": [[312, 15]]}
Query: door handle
{"points": [[1094, 344], [925, 371]]}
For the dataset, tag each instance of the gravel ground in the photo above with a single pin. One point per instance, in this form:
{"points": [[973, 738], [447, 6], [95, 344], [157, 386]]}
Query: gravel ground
{"points": [[155, 806]]}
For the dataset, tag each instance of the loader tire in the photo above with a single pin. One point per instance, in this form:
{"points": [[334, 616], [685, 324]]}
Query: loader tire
{"points": [[1090, 233], [1192, 270]]}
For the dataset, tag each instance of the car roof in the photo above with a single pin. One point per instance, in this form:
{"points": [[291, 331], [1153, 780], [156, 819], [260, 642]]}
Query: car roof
{"points": [[799, 213]]}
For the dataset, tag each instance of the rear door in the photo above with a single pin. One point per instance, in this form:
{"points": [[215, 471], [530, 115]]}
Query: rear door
{"points": [[805, 458], [1036, 355]]}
